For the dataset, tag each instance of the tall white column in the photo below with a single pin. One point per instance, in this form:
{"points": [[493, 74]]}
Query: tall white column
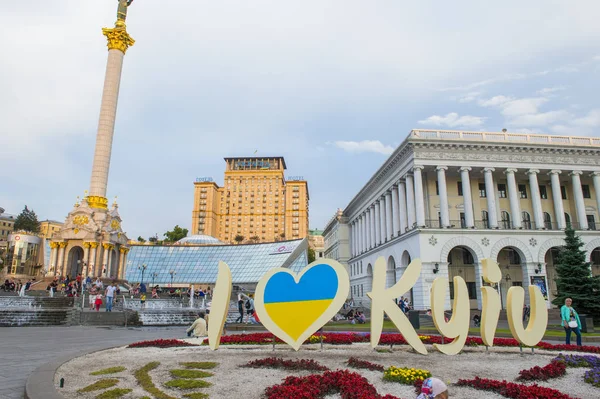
{"points": [[513, 197], [362, 233], [94, 271], [373, 229], [377, 223], [419, 198], [467, 198], [395, 211], [410, 202], [596, 179], [105, 260], [52, 263], [441, 180], [536, 199], [382, 218], [579, 200], [490, 193], [61, 258], [403, 213], [559, 210], [86, 263], [388, 216]]}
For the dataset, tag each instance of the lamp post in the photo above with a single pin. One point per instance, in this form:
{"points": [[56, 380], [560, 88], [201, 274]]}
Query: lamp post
{"points": [[143, 269], [172, 273], [154, 275]]}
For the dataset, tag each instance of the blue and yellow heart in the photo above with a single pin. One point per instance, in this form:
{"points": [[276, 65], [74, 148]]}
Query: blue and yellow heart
{"points": [[297, 307]]}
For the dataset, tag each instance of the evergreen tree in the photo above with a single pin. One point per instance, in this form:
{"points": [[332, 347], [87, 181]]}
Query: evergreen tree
{"points": [[574, 277], [176, 234], [27, 221]]}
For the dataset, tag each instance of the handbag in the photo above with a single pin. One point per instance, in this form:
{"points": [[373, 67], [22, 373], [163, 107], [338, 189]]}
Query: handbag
{"points": [[573, 324]]}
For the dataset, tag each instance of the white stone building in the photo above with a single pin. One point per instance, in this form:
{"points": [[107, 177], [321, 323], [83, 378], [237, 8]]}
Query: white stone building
{"points": [[453, 198], [337, 239]]}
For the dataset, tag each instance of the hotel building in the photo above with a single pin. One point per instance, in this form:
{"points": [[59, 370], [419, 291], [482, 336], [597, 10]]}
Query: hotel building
{"points": [[256, 202], [453, 198]]}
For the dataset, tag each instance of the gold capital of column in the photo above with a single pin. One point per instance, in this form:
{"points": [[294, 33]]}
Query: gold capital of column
{"points": [[87, 244], [63, 244], [118, 38], [93, 244], [95, 201], [108, 246], [53, 245]]}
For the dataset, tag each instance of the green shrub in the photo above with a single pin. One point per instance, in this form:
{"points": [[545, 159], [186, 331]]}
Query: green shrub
{"points": [[196, 395], [199, 365], [102, 384], [190, 374], [110, 370], [145, 381], [187, 384], [114, 393]]}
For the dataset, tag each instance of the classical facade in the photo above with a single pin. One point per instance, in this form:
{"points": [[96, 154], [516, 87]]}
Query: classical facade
{"points": [[453, 198], [91, 241], [316, 241], [256, 202], [7, 223], [49, 227]]}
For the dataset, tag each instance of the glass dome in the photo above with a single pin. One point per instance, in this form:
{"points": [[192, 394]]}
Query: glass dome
{"points": [[199, 240]]}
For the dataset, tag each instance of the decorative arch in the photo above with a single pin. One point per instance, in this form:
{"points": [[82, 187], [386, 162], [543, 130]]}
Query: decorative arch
{"points": [[391, 272], [369, 270], [546, 245], [590, 246], [405, 259], [75, 254], [521, 248], [461, 242], [391, 263]]}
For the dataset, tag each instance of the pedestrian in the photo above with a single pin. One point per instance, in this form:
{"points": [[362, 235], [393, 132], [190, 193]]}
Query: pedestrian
{"points": [[570, 321], [433, 388], [93, 293], [143, 301], [240, 309], [98, 302], [198, 328], [110, 295], [249, 308]]}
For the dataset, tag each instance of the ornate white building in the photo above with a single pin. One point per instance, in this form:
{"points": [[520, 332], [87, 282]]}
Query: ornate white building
{"points": [[453, 198]]}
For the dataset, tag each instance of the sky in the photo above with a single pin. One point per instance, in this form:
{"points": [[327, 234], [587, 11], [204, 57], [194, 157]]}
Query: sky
{"points": [[334, 86]]}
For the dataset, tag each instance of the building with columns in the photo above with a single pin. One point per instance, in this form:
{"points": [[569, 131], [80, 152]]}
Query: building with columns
{"points": [[452, 198], [91, 241]]}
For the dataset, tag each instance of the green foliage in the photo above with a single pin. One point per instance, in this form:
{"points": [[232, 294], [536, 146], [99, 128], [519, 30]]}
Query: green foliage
{"points": [[196, 395], [574, 278], [176, 234], [145, 381], [114, 393], [311, 255], [110, 370], [141, 239], [239, 238], [190, 374], [255, 239], [102, 384], [27, 221], [199, 365], [187, 384]]}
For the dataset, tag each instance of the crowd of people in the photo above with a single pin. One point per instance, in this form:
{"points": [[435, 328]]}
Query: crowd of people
{"points": [[12, 285]]}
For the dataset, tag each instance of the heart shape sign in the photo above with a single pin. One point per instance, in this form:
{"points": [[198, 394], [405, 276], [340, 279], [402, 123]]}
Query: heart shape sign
{"points": [[294, 307]]}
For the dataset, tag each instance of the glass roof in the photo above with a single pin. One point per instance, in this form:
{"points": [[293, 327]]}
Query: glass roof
{"points": [[199, 240], [199, 264]]}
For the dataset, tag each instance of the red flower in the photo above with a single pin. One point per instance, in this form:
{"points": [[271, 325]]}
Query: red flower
{"points": [[363, 364], [512, 390], [160, 343], [279, 363], [554, 369]]}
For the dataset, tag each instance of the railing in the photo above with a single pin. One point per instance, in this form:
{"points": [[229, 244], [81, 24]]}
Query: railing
{"points": [[505, 225], [505, 137]]}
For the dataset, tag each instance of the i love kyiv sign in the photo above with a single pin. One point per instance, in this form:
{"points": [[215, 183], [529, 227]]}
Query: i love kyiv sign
{"points": [[293, 307]]}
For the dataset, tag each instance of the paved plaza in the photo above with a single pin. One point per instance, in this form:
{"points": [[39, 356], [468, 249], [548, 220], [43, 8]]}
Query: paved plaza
{"points": [[26, 348]]}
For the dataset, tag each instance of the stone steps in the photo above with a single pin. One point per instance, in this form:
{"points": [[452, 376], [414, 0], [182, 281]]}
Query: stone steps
{"points": [[22, 318]]}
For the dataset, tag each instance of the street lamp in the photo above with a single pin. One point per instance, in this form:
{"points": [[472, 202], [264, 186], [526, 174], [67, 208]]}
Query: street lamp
{"points": [[153, 276], [143, 269], [172, 273]]}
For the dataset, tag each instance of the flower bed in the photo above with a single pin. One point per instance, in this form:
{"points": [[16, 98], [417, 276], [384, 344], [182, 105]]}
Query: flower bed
{"points": [[363, 364], [279, 363], [579, 360], [554, 369], [405, 375], [512, 390], [348, 384], [593, 377], [160, 343]]}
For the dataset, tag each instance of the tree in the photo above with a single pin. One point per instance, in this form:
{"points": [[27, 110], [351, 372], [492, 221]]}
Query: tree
{"points": [[239, 238], [311, 255], [176, 234], [574, 278], [27, 221], [255, 239], [141, 239]]}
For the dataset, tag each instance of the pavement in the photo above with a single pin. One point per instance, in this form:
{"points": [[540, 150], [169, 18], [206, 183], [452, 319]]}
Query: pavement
{"points": [[26, 348]]}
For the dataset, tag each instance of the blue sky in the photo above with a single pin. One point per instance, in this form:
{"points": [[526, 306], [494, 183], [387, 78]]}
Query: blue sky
{"points": [[333, 86]]}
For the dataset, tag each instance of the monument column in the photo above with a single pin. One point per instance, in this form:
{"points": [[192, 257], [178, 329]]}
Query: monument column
{"points": [[559, 210], [579, 200], [596, 180], [410, 201], [53, 253], [389, 217], [441, 180], [86, 264], [513, 197], [536, 199], [419, 197], [377, 223], [490, 194], [61, 258], [403, 210], [395, 211], [93, 246], [467, 198]]}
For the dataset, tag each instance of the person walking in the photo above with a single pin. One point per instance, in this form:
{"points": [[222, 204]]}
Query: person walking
{"points": [[570, 321], [110, 295], [249, 307], [240, 309]]}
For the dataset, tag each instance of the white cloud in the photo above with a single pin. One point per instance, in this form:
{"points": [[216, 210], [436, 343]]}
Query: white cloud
{"points": [[527, 131], [365, 146], [495, 101], [550, 90], [469, 97], [453, 120], [512, 107], [592, 119], [567, 130], [597, 58], [540, 119]]}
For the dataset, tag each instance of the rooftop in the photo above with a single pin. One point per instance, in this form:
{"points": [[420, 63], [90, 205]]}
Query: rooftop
{"points": [[199, 239], [255, 158]]}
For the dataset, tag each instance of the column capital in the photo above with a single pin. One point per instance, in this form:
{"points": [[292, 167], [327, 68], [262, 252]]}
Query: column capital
{"points": [[576, 173], [418, 167], [597, 173], [441, 167], [533, 171], [388, 191], [490, 170], [555, 172], [382, 198], [118, 39], [510, 170], [395, 186], [465, 169]]}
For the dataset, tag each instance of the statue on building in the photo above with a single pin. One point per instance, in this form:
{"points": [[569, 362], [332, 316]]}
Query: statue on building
{"points": [[122, 10]]}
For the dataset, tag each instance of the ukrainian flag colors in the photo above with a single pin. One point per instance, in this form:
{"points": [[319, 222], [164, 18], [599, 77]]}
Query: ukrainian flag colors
{"points": [[295, 306]]}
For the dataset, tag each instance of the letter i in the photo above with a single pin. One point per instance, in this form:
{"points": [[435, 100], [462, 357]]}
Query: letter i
{"points": [[219, 306], [491, 301]]}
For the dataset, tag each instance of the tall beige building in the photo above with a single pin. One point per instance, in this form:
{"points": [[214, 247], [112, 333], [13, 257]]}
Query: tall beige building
{"points": [[256, 202]]}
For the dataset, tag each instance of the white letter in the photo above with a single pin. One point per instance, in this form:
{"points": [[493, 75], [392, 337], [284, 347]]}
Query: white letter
{"points": [[219, 306], [491, 301], [458, 326]]}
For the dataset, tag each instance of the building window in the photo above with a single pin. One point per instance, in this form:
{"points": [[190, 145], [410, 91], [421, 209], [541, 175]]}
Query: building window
{"points": [[482, 190], [437, 188], [586, 191], [463, 223], [547, 221], [505, 220], [502, 190], [513, 257], [467, 257], [523, 191], [472, 288], [485, 218], [591, 222], [525, 220], [563, 192], [543, 192], [567, 219], [459, 186]]}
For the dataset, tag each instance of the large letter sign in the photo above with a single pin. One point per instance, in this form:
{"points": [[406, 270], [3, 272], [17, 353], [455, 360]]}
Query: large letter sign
{"points": [[293, 307]]}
